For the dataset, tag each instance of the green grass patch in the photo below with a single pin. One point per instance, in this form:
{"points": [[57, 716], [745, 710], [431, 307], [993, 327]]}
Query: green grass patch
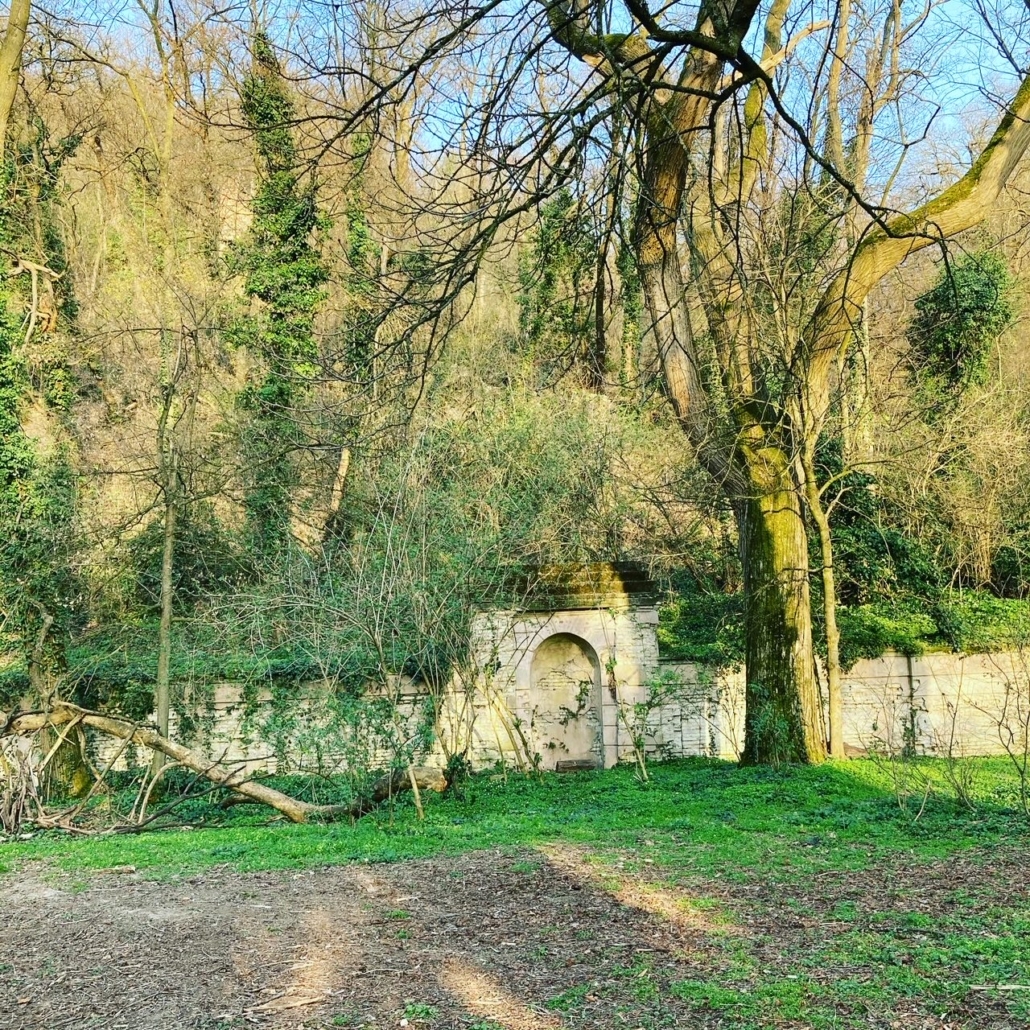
{"points": [[702, 816], [760, 1004], [782, 941], [569, 1000]]}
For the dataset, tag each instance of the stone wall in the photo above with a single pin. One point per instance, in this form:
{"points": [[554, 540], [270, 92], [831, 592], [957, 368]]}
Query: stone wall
{"points": [[302, 733], [934, 704], [938, 703], [704, 714], [564, 687]]}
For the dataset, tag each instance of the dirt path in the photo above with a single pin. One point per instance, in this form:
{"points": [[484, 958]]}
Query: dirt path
{"points": [[481, 942], [484, 937]]}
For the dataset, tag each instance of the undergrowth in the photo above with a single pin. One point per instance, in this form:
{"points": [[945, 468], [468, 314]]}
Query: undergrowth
{"points": [[708, 628]]}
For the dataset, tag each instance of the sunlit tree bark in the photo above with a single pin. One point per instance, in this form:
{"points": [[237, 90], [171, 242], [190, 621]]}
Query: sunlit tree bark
{"points": [[10, 60], [751, 371]]}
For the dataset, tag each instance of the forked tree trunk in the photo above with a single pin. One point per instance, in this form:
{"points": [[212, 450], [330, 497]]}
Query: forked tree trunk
{"points": [[783, 721]]}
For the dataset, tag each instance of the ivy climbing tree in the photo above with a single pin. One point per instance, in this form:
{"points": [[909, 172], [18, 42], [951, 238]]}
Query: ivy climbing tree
{"points": [[364, 264], [575, 288], [40, 594], [557, 283], [959, 319], [285, 278]]}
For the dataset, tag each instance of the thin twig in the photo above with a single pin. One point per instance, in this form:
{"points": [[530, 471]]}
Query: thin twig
{"points": [[999, 987]]}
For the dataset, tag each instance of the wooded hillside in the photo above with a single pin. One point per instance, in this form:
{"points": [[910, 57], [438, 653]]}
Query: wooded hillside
{"points": [[321, 333]]}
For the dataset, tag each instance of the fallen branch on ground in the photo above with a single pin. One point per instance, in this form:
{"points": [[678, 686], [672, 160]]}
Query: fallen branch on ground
{"points": [[235, 779]]}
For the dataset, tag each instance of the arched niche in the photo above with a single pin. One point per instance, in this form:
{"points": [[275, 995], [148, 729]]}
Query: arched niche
{"points": [[565, 677]]}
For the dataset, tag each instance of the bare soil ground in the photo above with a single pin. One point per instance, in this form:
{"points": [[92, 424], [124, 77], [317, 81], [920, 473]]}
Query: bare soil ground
{"points": [[529, 941]]}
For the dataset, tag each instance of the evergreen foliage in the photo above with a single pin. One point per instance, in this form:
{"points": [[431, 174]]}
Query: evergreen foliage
{"points": [[556, 279], [872, 558], [285, 274], [362, 316], [41, 597], [29, 189], [894, 593], [702, 626], [959, 319]]}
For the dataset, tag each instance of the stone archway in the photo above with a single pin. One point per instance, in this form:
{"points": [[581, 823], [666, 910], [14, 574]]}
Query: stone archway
{"points": [[565, 678]]}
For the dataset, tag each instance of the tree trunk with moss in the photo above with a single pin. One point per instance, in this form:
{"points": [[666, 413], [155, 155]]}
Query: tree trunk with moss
{"points": [[783, 714]]}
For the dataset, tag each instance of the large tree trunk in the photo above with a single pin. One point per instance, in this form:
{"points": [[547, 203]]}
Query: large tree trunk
{"points": [[783, 721], [10, 61], [784, 717]]}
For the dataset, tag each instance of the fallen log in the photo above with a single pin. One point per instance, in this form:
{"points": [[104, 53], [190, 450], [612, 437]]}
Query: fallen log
{"points": [[235, 779]]}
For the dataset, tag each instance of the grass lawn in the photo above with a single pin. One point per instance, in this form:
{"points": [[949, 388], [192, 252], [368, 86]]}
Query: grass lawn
{"points": [[857, 894]]}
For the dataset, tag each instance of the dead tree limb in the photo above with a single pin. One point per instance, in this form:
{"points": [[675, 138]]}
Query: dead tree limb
{"points": [[235, 779]]}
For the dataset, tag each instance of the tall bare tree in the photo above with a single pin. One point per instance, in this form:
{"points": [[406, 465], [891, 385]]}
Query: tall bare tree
{"points": [[762, 152]]}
